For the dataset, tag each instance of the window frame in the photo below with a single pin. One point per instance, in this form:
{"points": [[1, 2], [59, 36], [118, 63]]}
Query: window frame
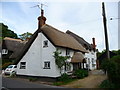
{"points": [[46, 65], [44, 43], [67, 66], [4, 51], [22, 66], [67, 52]]}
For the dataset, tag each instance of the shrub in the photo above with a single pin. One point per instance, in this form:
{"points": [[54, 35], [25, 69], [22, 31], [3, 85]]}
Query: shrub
{"points": [[81, 73], [107, 84], [4, 66], [112, 68], [64, 78]]}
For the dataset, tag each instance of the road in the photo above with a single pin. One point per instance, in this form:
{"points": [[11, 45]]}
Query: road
{"points": [[11, 83]]}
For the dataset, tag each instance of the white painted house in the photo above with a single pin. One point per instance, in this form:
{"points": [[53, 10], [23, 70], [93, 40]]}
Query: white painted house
{"points": [[36, 58]]}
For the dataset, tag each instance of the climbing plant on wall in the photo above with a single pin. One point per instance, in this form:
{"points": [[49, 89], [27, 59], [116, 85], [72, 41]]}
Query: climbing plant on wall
{"points": [[60, 60]]}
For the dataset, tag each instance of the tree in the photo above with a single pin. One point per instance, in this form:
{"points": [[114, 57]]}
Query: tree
{"points": [[7, 32], [25, 36]]}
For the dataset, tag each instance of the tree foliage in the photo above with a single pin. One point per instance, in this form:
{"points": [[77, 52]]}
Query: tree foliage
{"points": [[7, 32], [112, 67], [25, 36]]}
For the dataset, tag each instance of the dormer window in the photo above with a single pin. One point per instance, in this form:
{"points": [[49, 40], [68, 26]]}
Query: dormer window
{"points": [[4, 51], [45, 43]]}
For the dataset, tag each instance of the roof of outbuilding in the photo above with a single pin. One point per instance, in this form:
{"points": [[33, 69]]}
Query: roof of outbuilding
{"points": [[57, 38], [77, 57]]}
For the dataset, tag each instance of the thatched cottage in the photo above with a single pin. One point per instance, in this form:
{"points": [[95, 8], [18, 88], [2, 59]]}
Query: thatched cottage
{"points": [[36, 58]]}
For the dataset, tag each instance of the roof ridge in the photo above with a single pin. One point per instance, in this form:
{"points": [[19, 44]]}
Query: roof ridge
{"points": [[53, 28], [12, 39], [77, 36]]}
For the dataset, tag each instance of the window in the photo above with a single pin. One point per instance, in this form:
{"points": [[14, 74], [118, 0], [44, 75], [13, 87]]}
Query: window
{"points": [[46, 65], [22, 65], [67, 66], [92, 60], [67, 52], [45, 43], [4, 51]]}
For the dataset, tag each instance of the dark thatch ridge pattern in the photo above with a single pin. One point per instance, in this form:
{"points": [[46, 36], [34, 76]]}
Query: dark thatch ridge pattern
{"points": [[80, 40]]}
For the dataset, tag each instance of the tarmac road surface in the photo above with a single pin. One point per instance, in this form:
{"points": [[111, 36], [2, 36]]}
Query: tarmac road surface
{"points": [[11, 83]]}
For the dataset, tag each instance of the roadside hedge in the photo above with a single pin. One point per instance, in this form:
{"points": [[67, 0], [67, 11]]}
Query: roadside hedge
{"points": [[112, 67]]}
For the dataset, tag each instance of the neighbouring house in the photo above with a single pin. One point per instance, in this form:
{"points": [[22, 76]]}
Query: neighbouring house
{"points": [[91, 56], [36, 58], [11, 48]]}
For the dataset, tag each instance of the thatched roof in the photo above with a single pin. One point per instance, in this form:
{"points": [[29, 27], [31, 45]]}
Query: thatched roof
{"points": [[14, 45], [61, 39], [57, 38], [77, 57], [80, 40]]}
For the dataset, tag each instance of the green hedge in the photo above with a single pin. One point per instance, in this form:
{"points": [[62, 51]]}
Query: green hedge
{"points": [[80, 73], [64, 78], [112, 67], [107, 84]]}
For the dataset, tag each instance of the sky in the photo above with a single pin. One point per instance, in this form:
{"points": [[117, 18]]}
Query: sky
{"points": [[82, 18]]}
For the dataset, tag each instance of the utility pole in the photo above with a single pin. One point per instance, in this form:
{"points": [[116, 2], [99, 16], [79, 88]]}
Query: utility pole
{"points": [[105, 30]]}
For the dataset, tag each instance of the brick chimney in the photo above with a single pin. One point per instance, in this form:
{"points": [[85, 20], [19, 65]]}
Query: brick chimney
{"points": [[41, 19], [94, 46]]}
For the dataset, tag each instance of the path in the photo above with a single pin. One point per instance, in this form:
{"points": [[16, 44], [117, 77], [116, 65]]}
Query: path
{"points": [[92, 81]]}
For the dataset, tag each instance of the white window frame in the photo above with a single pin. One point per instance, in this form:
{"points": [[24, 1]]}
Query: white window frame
{"points": [[22, 66], [4, 51]]}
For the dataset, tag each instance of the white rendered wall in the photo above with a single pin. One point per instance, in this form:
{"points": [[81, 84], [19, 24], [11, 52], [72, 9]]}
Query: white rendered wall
{"points": [[35, 57], [63, 53], [89, 56]]}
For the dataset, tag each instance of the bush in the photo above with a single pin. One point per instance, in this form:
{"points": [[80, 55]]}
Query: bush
{"points": [[4, 66], [81, 73], [64, 78], [106, 84], [112, 68]]}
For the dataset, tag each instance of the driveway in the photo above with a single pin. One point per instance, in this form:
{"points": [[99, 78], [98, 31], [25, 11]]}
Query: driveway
{"points": [[92, 81], [11, 83]]}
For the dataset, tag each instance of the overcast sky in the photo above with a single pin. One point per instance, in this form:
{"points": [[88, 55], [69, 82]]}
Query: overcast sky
{"points": [[82, 18]]}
